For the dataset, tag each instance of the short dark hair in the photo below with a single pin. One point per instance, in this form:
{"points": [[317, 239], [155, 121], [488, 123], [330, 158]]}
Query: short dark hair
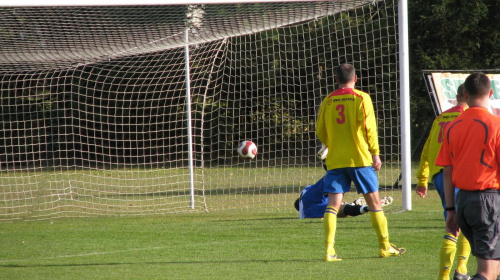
{"points": [[345, 73], [477, 84], [460, 93]]}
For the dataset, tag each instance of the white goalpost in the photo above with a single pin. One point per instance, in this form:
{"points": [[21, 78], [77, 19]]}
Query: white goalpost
{"points": [[126, 108]]}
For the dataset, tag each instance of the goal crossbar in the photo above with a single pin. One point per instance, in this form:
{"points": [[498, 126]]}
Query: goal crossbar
{"points": [[74, 3]]}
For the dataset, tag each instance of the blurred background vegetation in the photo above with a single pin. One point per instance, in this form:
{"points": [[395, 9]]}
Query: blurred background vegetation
{"points": [[449, 35]]}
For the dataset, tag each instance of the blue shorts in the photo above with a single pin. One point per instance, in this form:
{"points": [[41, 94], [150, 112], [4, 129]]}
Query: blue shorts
{"points": [[339, 180], [438, 182]]}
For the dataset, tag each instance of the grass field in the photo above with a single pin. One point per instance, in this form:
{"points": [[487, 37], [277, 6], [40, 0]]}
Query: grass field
{"points": [[220, 245], [48, 194]]}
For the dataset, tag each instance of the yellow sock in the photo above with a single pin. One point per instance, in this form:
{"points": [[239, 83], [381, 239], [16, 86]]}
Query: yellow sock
{"points": [[463, 253], [379, 224], [446, 255], [330, 226]]}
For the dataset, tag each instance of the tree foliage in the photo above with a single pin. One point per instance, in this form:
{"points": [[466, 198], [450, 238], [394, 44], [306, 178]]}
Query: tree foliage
{"points": [[449, 35]]}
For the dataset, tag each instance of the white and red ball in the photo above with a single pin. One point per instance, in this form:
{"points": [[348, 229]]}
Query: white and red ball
{"points": [[247, 149]]}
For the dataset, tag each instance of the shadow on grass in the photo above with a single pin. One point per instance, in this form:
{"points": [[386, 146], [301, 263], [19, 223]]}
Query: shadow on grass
{"points": [[177, 262], [229, 191]]}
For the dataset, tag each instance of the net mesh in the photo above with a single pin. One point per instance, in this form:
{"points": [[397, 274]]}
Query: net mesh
{"points": [[94, 117]]}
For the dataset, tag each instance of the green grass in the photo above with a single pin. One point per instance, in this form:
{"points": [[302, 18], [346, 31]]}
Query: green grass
{"points": [[33, 195], [220, 245]]}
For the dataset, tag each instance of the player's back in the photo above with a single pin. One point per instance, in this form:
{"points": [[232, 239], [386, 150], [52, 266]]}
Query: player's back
{"points": [[313, 201], [350, 127], [436, 136], [474, 145]]}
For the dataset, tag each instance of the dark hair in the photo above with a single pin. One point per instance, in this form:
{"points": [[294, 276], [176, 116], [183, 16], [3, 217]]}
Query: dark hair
{"points": [[296, 204], [345, 73], [477, 84], [460, 93]]}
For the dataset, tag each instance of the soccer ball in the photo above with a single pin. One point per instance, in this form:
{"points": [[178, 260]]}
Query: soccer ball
{"points": [[247, 149]]}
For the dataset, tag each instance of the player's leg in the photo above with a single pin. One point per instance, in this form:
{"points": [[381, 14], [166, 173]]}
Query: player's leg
{"points": [[335, 184], [463, 254], [330, 224], [353, 210], [449, 241], [446, 255], [437, 180], [366, 182], [379, 221], [451, 245], [487, 269], [341, 213], [477, 217]]}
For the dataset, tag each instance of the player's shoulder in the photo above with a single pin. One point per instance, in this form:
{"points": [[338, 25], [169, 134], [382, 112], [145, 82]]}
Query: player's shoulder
{"points": [[361, 93], [456, 110], [450, 114], [481, 114]]}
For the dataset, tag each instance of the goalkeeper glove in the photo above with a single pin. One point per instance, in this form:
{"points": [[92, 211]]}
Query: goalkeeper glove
{"points": [[323, 152]]}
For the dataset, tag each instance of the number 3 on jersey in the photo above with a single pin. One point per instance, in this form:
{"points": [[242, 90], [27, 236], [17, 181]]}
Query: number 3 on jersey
{"points": [[340, 109]]}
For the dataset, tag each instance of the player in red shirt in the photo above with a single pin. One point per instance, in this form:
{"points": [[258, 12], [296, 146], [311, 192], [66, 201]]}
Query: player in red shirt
{"points": [[470, 155]]}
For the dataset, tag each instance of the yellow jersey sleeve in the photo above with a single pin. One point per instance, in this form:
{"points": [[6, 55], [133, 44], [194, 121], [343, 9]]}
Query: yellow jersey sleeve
{"points": [[427, 167]]}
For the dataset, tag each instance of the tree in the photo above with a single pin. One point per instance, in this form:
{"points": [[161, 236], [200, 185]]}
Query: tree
{"points": [[449, 35]]}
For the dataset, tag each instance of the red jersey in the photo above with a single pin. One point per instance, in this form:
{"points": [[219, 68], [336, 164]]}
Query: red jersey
{"points": [[472, 147]]}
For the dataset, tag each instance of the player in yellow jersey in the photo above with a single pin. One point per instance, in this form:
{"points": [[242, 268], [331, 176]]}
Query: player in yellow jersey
{"points": [[451, 245], [346, 124]]}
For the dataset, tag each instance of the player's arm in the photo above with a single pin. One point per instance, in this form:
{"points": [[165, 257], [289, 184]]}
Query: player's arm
{"points": [[321, 126], [444, 159], [377, 163], [368, 117], [449, 194]]}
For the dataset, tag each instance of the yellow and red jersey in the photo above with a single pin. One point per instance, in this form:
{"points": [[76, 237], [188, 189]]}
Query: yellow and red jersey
{"points": [[427, 168], [472, 147], [346, 125]]}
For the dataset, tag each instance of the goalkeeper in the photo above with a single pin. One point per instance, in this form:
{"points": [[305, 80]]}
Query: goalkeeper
{"points": [[427, 170], [313, 199]]}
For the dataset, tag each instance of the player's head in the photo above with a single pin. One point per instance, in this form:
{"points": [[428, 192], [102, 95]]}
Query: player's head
{"points": [[460, 93], [477, 85], [296, 204], [345, 73]]}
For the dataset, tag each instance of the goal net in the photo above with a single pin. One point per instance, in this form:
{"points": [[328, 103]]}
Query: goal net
{"points": [[138, 110]]}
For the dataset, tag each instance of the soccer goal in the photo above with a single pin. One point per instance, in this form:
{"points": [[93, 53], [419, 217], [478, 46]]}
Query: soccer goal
{"points": [[138, 110]]}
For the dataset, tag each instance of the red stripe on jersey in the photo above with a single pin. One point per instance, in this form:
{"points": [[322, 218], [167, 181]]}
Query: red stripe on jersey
{"points": [[344, 91], [455, 109], [350, 91]]}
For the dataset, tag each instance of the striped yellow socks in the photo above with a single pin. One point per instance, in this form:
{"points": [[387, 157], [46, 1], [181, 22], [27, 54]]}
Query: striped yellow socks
{"points": [[330, 226], [446, 255], [463, 253]]}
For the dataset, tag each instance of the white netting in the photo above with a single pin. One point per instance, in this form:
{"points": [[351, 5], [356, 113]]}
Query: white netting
{"points": [[94, 118]]}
